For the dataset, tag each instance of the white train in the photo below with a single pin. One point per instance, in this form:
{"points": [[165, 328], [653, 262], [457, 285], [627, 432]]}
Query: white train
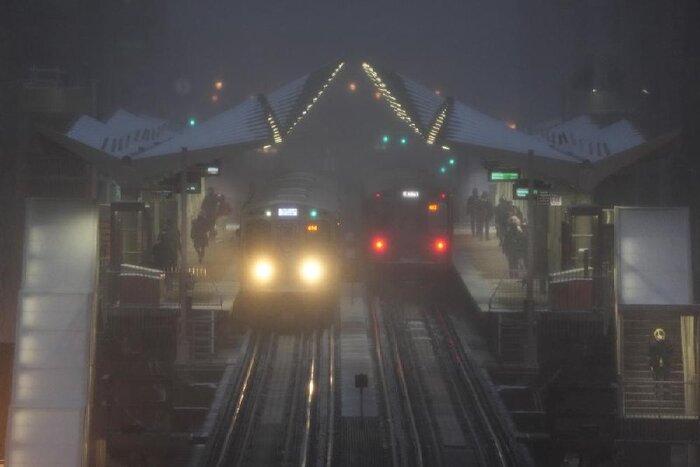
{"points": [[290, 249]]}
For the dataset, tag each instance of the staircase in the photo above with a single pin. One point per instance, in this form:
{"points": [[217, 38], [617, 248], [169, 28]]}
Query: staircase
{"points": [[512, 333], [642, 396], [203, 334]]}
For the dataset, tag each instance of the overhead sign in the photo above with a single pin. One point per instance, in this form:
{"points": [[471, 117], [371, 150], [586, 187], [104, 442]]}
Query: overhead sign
{"points": [[540, 189], [287, 212], [504, 175]]}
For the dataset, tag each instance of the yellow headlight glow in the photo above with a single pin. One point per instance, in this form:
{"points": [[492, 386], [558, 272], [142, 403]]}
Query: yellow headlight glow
{"points": [[311, 271], [263, 270]]}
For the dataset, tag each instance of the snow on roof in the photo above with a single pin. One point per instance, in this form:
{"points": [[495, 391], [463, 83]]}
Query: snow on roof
{"points": [[241, 124], [123, 134], [469, 126], [584, 138]]}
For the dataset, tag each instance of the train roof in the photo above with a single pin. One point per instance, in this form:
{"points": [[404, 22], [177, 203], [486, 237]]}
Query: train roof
{"points": [[298, 189], [400, 179]]}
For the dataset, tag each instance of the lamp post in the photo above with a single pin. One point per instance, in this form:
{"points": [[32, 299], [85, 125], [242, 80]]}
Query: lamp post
{"points": [[531, 340]]}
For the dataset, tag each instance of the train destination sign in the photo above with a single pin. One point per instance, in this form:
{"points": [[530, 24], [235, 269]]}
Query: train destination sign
{"points": [[504, 175], [410, 194], [287, 212]]}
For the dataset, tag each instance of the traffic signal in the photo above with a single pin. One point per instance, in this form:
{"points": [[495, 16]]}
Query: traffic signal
{"points": [[452, 161], [403, 141], [386, 139], [443, 169], [192, 121]]}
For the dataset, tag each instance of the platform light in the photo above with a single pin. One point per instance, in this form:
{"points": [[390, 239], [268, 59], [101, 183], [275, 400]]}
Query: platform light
{"points": [[218, 85], [645, 91], [446, 148], [594, 90]]}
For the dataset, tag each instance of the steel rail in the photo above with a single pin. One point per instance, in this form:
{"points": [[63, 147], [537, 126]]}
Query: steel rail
{"points": [[242, 397], [305, 448], [467, 376], [385, 392], [254, 404], [331, 396]]}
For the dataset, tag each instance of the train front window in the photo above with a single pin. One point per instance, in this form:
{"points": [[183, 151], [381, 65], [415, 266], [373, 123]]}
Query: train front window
{"points": [[259, 232]]}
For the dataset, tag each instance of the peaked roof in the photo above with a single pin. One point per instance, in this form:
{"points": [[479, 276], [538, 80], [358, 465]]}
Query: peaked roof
{"points": [[445, 121]]}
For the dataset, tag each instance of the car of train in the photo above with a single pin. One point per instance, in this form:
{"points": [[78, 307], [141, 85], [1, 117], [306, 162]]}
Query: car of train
{"points": [[290, 250], [407, 223]]}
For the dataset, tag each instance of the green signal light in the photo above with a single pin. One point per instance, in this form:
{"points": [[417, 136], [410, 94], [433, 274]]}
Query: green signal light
{"points": [[313, 213], [192, 121], [452, 162], [443, 170], [386, 139], [404, 141]]}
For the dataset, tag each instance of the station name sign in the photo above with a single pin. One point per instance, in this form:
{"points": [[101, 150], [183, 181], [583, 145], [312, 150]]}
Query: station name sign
{"points": [[504, 175], [540, 189]]}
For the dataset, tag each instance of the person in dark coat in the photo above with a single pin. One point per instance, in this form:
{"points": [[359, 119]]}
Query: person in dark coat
{"points": [[501, 214], [485, 213], [200, 235], [660, 353], [472, 207], [514, 246]]}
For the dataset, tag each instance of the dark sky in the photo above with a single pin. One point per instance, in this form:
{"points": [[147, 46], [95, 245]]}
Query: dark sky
{"points": [[502, 56]]}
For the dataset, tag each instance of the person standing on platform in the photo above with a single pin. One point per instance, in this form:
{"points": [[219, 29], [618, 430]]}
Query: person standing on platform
{"points": [[472, 204], [660, 353], [501, 212], [200, 235], [485, 213]]}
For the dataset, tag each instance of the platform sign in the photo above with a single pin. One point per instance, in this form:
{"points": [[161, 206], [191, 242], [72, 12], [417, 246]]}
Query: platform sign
{"points": [[504, 175], [541, 189]]}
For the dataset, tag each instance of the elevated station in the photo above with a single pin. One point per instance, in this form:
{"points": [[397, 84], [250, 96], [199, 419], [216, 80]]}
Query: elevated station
{"points": [[560, 334]]}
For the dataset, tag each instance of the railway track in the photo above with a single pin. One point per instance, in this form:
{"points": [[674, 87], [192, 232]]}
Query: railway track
{"points": [[446, 416], [282, 412]]}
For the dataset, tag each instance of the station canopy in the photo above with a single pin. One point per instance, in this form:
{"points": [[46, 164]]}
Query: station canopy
{"points": [[136, 149]]}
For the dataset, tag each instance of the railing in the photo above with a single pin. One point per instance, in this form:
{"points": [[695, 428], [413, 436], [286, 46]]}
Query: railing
{"points": [[581, 289], [644, 398], [510, 295]]}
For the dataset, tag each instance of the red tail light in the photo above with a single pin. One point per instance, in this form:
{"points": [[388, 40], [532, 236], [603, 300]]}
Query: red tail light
{"points": [[440, 245], [379, 244]]}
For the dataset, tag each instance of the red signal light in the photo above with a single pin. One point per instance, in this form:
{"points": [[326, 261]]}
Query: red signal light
{"points": [[379, 244], [443, 195], [378, 195], [440, 245]]}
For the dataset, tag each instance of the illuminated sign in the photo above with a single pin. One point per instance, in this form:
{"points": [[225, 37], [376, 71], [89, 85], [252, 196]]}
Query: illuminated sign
{"points": [[540, 190], [433, 207], [504, 175], [287, 212], [312, 228], [410, 194]]}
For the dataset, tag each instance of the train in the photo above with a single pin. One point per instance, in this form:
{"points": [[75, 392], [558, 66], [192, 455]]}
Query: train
{"points": [[407, 223], [290, 248]]}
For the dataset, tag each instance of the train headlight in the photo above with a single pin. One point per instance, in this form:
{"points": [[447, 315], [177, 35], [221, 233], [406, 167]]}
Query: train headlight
{"points": [[311, 271], [263, 270]]}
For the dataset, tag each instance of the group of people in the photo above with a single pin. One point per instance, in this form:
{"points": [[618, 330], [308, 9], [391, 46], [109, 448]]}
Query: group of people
{"points": [[166, 249], [480, 213], [511, 228], [203, 229]]}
